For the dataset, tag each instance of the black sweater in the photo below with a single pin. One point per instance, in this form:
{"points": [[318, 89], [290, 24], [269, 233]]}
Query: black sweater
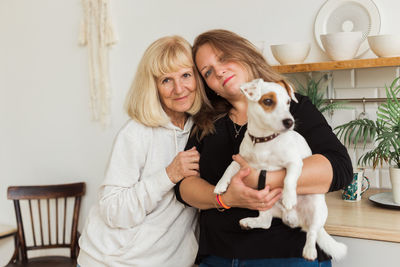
{"points": [[220, 232]]}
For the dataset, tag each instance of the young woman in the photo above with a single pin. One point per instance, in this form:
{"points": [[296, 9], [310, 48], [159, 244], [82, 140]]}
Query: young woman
{"points": [[137, 220], [225, 61]]}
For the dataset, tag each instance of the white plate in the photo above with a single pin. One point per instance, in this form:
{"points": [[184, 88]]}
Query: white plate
{"points": [[384, 199], [348, 15]]}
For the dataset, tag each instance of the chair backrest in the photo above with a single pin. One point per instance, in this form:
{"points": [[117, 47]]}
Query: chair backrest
{"points": [[47, 205]]}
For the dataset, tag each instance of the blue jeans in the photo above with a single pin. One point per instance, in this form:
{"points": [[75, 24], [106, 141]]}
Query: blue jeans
{"points": [[213, 261]]}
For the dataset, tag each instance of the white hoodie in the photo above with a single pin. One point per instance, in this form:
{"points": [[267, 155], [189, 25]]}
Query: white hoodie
{"points": [[137, 220]]}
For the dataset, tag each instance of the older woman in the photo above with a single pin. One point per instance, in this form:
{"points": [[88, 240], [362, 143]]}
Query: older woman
{"points": [[137, 220], [225, 61]]}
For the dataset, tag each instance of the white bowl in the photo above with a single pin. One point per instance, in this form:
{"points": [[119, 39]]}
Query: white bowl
{"points": [[341, 45], [291, 53], [385, 45]]}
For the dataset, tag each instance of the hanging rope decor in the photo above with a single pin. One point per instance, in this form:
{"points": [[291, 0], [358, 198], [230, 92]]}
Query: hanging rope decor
{"points": [[98, 35]]}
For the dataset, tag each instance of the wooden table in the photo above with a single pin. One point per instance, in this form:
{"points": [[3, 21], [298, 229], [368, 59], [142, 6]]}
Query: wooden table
{"points": [[362, 219], [6, 231]]}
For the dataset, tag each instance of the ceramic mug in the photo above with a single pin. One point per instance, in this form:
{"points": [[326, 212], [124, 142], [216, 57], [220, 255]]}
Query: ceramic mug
{"points": [[395, 181], [357, 187]]}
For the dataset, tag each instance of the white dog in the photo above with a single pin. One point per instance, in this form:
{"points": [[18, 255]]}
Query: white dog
{"points": [[271, 144]]}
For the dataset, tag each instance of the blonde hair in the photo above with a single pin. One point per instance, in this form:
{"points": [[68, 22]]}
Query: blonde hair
{"points": [[165, 55], [237, 49]]}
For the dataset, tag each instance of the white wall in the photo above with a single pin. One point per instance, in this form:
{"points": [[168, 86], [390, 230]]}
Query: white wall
{"points": [[46, 134]]}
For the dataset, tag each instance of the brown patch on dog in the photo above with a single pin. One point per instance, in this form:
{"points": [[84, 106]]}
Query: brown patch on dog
{"points": [[268, 101], [285, 85]]}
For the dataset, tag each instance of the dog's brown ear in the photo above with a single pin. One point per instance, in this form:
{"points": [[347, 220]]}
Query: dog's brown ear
{"points": [[289, 90]]}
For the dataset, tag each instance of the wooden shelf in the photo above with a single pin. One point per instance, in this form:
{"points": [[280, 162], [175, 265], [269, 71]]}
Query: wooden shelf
{"points": [[339, 65]]}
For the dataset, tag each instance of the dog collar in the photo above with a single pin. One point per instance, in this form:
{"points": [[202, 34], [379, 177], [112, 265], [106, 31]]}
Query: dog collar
{"points": [[256, 140]]}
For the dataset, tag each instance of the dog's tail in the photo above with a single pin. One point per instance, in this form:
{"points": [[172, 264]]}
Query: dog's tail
{"points": [[333, 248]]}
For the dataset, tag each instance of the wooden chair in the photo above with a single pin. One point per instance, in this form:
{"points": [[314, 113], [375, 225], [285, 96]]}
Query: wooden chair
{"points": [[46, 216]]}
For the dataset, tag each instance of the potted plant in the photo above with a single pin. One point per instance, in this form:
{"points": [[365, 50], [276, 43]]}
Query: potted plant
{"points": [[315, 91], [384, 132]]}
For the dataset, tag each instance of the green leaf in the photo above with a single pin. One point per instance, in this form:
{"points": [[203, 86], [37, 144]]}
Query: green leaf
{"points": [[358, 134], [384, 131], [316, 92]]}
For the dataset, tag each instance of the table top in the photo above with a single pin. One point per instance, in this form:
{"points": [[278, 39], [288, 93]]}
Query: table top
{"points": [[362, 219], [7, 230]]}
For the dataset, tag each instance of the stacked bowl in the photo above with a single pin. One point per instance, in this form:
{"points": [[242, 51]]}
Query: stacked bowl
{"points": [[291, 53], [385, 45], [341, 45]]}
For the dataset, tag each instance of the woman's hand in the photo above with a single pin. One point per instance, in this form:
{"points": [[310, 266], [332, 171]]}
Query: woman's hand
{"points": [[240, 195], [250, 180], [186, 163]]}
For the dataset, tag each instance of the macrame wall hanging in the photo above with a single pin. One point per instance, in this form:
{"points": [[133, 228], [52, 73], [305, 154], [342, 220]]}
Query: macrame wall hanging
{"points": [[98, 35]]}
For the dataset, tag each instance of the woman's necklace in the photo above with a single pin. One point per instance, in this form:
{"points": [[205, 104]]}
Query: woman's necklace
{"points": [[237, 132]]}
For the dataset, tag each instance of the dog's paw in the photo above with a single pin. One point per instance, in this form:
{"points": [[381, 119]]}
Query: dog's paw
{"points": [[289, 199], [246, 223], [309, 253], [254, 222], [220, 188]]}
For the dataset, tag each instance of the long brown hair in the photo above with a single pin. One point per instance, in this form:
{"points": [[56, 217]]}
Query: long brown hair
{"points": [[234, 48]]}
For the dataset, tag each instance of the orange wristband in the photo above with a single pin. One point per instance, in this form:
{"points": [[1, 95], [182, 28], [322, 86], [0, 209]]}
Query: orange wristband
{"points": [[222, 204]]}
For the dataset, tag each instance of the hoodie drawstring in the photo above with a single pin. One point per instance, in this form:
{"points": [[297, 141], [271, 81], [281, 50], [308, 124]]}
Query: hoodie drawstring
{"points": [[176, 142]]}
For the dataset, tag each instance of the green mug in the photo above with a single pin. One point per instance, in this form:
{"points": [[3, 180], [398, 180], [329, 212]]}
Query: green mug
{"points": [[357, 187]]}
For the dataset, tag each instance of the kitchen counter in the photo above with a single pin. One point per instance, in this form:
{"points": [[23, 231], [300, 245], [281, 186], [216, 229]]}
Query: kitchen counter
{"points": [[6, 230], [362, 219]]}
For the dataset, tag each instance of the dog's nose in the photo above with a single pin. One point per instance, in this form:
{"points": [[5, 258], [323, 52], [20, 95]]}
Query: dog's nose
{"points": [[287, 123]]}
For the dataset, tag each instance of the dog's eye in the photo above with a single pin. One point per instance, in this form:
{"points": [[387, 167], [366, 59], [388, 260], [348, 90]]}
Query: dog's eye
{"points": [[267, 102]]}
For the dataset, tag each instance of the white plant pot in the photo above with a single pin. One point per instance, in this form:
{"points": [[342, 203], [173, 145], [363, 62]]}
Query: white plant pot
{"points": [[395, 180]]}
